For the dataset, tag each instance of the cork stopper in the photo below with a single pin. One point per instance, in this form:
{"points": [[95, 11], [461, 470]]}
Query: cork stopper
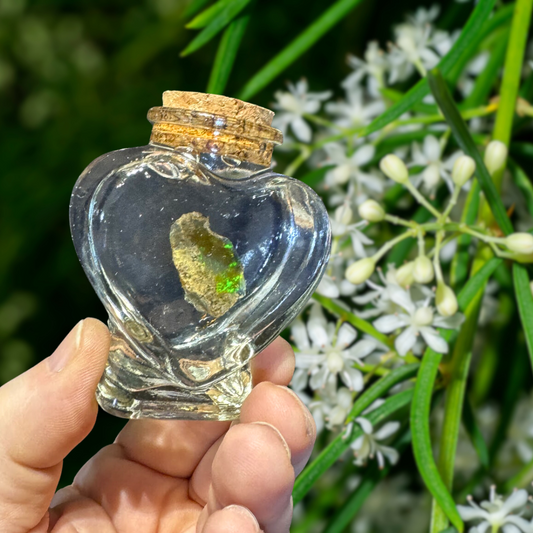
{"points": [[218, 105], [210, 123]]}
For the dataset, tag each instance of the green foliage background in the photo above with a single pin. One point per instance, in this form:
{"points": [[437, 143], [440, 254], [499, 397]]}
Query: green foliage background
{"points": [[76, 81]]}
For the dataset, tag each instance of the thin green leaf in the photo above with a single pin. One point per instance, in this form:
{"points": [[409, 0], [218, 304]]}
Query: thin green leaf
{"points": [[381, 387], [226, 54], [469, 39], [352, 319], [230, 11], [341, 443], [466, 143], [455, 391], [501, 17], [298, 46], [524, 298], [475, 434], [420, 408], [194, 7], [422, 402], [476, 282], [208, 15], [372, 476]]}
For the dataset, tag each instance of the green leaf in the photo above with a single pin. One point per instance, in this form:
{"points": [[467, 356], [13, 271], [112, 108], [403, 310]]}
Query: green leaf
{"points": [[466, 143], [226, 54], [381, 387], [477, 282], [297, 47], [420, 409], [352, 319], [372, 476], [226, 15], [524, 298], [467, 42], [208, 15], [340, 444], [423, 392], [475, 434], [194, 7]]}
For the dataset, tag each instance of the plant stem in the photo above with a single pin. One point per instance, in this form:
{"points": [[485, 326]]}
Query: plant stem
{"points": [[511, 76], [421, 200]]}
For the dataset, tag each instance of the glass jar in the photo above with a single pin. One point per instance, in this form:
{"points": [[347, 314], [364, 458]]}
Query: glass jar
{"points": [[200, 253]]}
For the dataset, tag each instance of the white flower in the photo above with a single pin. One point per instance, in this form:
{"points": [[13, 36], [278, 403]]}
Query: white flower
{"points": [[374, 66], [339, 228], [430, 157], [326, 355], [381, 296], [417, 319], [332, 407], [366, 446], [354, 112], [413, 48], [498, 514], [293, 105], [349, 166]]}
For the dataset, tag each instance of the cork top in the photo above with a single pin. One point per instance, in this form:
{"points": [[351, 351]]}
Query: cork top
{"points": [[211, 123], [218, 105]]}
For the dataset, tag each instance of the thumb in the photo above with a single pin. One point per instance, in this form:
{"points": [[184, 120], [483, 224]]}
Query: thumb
{"points": [[46, 412]]}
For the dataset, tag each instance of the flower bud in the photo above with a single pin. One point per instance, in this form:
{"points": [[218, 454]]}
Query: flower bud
{"points": [[463, 169], [360, 271], [370, 210], [343, 214], [446, 300], [404, 275], [521, 243], [393, 167], [423, 269], [495, 156]]}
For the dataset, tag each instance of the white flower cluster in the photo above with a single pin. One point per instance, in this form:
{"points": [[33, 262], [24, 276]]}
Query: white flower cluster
{"points": [[368, 181]]}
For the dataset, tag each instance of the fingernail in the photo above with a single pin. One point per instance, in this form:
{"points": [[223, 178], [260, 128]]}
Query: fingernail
{"points": [[243, 511], [284, 442], [308, 417], [67, 349]]}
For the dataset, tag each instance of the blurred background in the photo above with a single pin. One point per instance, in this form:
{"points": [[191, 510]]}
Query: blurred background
{"points": [[76, 81]]}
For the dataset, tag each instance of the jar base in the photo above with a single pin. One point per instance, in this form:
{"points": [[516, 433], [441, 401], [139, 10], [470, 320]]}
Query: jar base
{"points": [[221, 401]]}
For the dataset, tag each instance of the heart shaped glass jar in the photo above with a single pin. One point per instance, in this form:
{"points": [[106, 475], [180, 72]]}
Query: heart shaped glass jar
{"points": [[200, 254]]}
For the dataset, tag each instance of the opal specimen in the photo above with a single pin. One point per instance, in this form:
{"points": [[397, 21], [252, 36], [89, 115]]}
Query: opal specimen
{"points": [[211, 274]]}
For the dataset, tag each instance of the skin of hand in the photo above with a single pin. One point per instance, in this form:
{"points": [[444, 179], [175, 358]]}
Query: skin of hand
{"points": [[159, 476]]}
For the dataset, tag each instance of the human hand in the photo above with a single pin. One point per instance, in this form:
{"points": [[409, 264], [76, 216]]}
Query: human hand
{"points": [[160, 475]]}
